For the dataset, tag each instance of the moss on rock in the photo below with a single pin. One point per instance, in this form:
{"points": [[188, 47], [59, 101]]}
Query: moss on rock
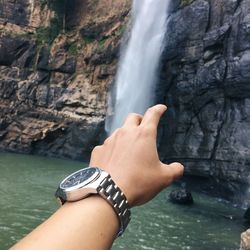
{"points": [[186, 2]]}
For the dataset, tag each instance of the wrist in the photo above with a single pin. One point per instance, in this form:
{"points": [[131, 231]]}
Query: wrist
{"points": [[113, 195], [125, 185], [94, 217], [93, 180], [102, 211]]}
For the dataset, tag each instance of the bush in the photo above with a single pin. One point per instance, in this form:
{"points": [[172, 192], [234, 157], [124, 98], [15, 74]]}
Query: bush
{"points": [[73, 50], [186, 2], [46, 35]]}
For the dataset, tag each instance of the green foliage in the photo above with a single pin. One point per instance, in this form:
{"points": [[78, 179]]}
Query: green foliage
{"points": [[42, 35], [73, 50], [121, 30], [88, 40], [186, 2], [101, 43], [46, 35]]}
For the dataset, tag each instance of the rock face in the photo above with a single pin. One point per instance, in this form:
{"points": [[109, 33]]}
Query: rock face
{"points": [[205, 81], [57, 60], [245, 240]]}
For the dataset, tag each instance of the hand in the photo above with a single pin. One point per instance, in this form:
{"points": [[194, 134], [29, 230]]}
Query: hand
{"points": [[130, 156]]}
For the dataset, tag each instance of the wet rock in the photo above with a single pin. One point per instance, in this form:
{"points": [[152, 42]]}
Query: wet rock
{"points": [[245, 240], [205, 83], [185, 26], [181, 196]]}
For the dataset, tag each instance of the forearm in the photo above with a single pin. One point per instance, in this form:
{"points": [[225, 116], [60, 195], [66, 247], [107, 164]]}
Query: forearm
{"points": [[87, 224]]}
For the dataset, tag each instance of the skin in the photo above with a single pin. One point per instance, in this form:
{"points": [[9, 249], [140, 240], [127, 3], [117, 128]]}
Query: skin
{"points": [[130, 156]]}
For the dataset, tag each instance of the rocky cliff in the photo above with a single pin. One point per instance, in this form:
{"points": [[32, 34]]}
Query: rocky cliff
{"points": [[205, 81], [58, 59]]}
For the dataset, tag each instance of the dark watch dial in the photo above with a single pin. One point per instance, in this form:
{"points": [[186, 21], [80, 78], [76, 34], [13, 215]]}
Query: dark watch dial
{"points": [[78, 177]]}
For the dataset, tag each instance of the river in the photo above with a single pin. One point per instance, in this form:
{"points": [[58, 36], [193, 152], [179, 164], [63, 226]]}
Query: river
{"points": [[27, 185]]}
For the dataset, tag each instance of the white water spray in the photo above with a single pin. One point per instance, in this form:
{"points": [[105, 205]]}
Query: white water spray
{"points": [[135, 81]]}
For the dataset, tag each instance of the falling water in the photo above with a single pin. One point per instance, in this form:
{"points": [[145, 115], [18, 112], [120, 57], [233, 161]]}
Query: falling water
{"points": [[135, 81]]}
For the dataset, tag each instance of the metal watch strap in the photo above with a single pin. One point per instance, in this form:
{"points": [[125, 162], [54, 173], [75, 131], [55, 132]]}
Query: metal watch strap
{"points": [[113, 194]]}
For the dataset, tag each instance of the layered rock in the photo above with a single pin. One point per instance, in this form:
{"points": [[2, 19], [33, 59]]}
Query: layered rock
{"points": [[205, 81], [57, 60]]}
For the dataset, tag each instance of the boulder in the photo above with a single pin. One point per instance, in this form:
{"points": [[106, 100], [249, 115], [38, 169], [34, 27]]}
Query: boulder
{"points": [[245, 240], [181, 196]]}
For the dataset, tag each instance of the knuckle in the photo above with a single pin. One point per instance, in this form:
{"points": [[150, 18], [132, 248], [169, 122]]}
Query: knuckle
{"points": [[113, 133], [137, 115], [146, 131], [120, 132], [132, 114], [96, 150], [107, 141]]}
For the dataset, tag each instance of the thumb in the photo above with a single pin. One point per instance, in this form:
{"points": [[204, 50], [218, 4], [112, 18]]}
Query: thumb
{"points": [[172, 172]]}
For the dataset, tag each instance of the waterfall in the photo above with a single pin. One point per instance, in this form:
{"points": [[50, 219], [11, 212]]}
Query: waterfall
{"points": [[134, 85]]}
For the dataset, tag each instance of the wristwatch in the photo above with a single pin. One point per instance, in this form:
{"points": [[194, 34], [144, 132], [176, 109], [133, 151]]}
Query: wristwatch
{"points": [[93, 180]]}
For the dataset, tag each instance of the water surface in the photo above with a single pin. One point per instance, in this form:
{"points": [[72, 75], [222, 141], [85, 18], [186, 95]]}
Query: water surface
{"points": [[27, 185]]}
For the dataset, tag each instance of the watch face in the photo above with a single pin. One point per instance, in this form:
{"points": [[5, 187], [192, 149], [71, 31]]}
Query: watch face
{"points": [[78, 177]]}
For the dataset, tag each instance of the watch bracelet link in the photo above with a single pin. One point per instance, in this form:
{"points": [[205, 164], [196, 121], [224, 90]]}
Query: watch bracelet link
{"points": [[113, 194]]}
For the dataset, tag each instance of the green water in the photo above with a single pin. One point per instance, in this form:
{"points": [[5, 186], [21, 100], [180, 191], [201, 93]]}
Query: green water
{"points": [[27, 185]]}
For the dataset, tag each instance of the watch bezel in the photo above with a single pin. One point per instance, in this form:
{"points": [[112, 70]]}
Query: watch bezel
{"points": [[82, 184]]}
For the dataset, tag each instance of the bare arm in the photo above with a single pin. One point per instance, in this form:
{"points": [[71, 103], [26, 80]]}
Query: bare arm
{"points": [[130, 156]]}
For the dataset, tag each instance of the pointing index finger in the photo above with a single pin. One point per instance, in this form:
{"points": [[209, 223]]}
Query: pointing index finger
{"points": [[153, 115]]}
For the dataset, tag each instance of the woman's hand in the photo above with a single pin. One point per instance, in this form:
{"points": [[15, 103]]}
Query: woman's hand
{"points": [[130, 156]]}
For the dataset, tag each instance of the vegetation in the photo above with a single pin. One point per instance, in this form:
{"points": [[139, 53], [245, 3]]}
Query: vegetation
{"points": [[102, 42], [88, 40], [121, 30], [46, 35], [186, 2], [73, 49]]}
